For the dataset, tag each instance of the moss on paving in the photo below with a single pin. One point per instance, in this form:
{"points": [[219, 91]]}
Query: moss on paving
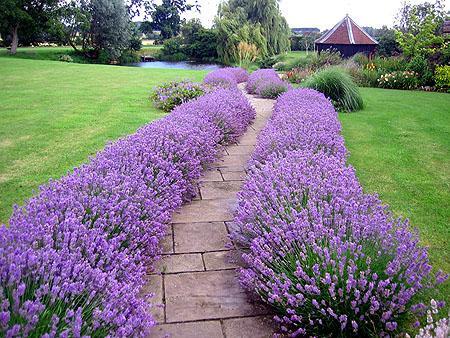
{"points": [[54, 115]]}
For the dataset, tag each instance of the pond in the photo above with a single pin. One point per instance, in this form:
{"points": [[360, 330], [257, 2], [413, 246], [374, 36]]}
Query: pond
{"points": [[176, 65]]}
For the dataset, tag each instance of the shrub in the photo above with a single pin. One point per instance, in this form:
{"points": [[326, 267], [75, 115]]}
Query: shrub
{"points": [[326, 58], [442, 78], [227, 77], [75, 256], [399, 80], [169, 95], [338, 86], [419, 65], [329, 259], [268, 61], [65, 58], [266, 83], [173, 50], [272, 88], [298, 75]]}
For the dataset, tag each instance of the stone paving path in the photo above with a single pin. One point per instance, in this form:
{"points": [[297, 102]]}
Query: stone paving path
{"points": [[195, 282]]}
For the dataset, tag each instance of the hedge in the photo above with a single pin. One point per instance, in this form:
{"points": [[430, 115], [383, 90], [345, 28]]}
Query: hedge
{"points": [[328, 258], [74, 257]]}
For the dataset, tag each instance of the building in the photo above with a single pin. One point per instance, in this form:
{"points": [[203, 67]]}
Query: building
{"points": [[305, 31], [347, 38], [446, 28]]}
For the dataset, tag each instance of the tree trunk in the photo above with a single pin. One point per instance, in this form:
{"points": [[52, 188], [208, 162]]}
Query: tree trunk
{"points": [[15, 39]]}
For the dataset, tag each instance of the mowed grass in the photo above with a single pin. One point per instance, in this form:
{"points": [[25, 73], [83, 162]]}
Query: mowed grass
{"points": [[55, 115], [400, 147]]}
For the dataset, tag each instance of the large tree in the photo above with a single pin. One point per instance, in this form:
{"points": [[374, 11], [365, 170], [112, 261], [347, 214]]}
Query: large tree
{"points": [[29, 16], [257, 23], [419, 28]]}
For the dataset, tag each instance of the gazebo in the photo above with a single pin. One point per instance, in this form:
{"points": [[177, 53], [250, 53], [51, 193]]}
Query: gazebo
{"points": [[347, 38]]}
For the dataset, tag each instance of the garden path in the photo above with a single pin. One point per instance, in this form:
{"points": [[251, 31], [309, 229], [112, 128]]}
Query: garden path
{"points": [[196, 280]]}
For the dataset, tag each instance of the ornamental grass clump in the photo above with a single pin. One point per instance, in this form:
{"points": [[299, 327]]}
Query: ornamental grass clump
{"points": [[328, 258], [336, 84], [75, 256], [228, 77], [169, 95]]}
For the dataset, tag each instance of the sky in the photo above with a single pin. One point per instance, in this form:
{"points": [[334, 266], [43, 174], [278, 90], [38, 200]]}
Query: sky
{"points": [[323, 14]]}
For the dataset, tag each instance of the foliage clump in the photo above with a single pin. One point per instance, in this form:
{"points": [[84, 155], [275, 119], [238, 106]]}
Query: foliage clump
{"points": [[329, 259], [169, 95], [337, 85], [258, 24], [75, 257]]}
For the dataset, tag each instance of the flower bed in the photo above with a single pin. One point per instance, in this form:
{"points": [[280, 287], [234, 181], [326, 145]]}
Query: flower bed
{"points": [[226, 77], [169, 95], [74, 258], [266, 83], [329, 259]]}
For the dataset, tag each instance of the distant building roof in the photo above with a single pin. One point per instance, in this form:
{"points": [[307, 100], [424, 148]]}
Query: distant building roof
{"points": [[446, 27], [305, 30], [347, 32]]}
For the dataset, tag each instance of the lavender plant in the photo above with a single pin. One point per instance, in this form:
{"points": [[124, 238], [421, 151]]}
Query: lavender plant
{"points": [[228, 77], [169, 95], [329, 259], [74, 257], [266, 83]]}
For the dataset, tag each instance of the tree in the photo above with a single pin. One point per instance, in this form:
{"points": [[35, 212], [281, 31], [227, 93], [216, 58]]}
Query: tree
{"points": [[387, 42], [167, 17], [199, 43], [418, 29], [258, 23], [146, 28], [18, 16]]}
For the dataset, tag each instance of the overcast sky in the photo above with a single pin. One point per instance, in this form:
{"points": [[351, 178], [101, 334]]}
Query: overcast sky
{"points": [[323, 14]]}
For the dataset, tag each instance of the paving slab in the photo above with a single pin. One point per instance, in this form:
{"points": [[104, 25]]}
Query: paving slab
{"points": [[206, 211], [211, 176], [249, 139], [181, 263], [219, 190], [167, 244], [240, 150], [219, 260], [154, 285], [255, 327], [204, 329], [232, 161], [200, 237], [206, 295], [234, 175]]}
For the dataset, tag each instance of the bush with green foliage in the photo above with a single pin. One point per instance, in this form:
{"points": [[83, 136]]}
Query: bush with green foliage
{"points": [[399, 80], [169, 95], [338, 86], [419, 65], [268, 62], [65, 58], [442, 78], [298, 75], [173, 50]]}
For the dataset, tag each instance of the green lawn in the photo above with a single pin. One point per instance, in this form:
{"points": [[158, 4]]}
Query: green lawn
{"points": [[54, 53], [54, 115], [400, 147]]}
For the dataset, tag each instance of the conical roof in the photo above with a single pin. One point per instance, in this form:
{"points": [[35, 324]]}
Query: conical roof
{"points": [[347, 32]]}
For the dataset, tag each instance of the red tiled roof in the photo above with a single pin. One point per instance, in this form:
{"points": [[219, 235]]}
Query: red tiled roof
{"points": [[347, 32]]}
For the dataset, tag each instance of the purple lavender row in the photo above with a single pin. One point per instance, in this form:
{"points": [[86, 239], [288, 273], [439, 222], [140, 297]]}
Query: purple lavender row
{"points": [[266, 83], [228, 77], [74, 257], [329, 259]]}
